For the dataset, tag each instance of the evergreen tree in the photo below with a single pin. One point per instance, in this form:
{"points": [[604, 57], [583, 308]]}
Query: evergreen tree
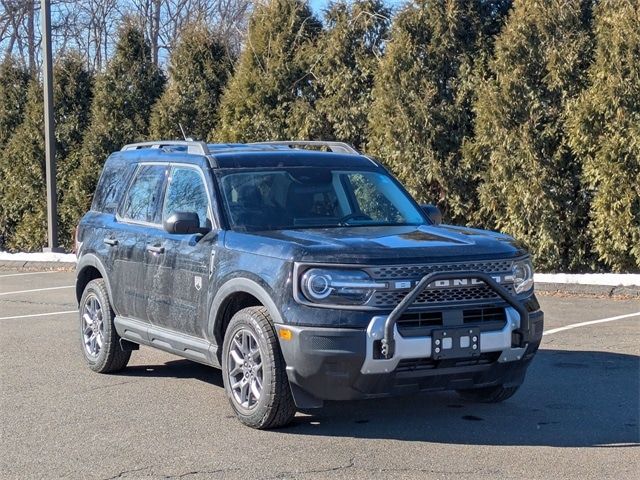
{"points": [[348, 55], [14, 82], [200, 66], [72, 95], [22, 169], [271, 96], [424, 94], [531, 186], [123, 98], [605, 133], [22, 163]]}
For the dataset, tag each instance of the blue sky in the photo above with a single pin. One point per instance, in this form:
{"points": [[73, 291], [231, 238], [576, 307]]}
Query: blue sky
{"points": [[318, 5]]}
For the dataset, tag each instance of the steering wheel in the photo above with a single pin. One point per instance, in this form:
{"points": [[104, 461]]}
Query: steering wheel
{"points": [[353, 216]]}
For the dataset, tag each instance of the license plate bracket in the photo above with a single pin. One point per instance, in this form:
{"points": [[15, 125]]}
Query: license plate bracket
{"points": [[455, 343]]}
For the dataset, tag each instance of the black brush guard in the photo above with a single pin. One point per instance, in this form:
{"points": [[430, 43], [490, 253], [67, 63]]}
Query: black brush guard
{"points": [[388, 341]]}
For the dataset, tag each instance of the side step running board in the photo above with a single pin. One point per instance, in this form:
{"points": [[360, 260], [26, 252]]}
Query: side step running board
{"points": [[193, 348]]}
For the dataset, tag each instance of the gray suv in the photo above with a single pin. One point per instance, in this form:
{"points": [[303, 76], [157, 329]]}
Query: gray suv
{"points": [[304, 271]]}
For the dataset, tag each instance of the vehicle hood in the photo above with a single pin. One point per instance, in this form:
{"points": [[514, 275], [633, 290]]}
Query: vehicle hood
{"points": [[362, 245]]}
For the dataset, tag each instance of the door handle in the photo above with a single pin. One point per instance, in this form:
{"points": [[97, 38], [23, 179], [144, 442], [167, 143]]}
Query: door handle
{"points": [[159, 249], [112, 242]]}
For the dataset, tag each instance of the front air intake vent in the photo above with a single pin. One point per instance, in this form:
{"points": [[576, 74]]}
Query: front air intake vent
{"points": [[419, 324]]}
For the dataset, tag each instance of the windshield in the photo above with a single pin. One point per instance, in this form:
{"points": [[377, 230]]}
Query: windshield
{"points": [[304, 197]]}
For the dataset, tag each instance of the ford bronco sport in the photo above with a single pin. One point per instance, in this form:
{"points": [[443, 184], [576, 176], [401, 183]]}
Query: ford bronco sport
{"points": [[304, 271]]}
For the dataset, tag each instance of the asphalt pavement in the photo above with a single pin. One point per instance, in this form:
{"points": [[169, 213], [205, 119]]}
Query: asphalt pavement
{"points": [[576, 416]]}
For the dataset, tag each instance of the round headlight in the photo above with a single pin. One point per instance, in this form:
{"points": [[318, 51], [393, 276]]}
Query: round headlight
{"points": [[318, 285], [522, 276], [338, 286]]}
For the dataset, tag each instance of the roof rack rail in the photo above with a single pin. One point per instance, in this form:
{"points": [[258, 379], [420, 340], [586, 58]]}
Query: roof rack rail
{"points": [[337, 147], [193, 147]]}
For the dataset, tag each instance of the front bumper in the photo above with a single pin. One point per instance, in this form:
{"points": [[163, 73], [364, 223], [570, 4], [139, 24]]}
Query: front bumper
{"points": [[341, 364]]}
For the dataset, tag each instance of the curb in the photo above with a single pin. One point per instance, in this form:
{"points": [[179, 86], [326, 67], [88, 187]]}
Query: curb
{"points": [[37, 266], [622, 292], [588, 290]]}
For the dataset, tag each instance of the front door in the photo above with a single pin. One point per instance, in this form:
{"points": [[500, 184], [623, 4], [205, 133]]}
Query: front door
{"points": [[179, 266]]}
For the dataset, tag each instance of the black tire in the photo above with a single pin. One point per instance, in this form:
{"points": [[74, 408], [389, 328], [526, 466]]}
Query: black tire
{"points": [[495, 394], [275, 406], [111, 357]]}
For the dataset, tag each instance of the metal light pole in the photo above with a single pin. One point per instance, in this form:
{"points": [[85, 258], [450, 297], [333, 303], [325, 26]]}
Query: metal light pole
{"points": [[49, 131]]}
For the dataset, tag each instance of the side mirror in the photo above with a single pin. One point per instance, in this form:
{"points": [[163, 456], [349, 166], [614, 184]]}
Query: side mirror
{"points": [[183, 223], [433, 213]]}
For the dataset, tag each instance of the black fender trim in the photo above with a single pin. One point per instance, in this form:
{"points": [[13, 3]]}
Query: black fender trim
{"points": [[235, 285], [91, 260]]}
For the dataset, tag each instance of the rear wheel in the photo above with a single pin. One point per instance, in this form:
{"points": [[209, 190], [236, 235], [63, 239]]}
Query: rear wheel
{"points": [[495, 394], [99, 340], [253, 370]]}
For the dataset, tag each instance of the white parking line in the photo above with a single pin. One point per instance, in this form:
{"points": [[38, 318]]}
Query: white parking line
{"points": [[39, 315], [592, 322], [548, 332], [37, 290], [29, 273]]}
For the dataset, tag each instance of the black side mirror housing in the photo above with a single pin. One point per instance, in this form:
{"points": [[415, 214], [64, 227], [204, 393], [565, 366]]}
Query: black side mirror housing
{"points": [[433, 213], [183, 223]]}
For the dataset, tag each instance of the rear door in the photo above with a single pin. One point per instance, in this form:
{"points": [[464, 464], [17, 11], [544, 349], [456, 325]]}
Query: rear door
{"points": [[138, 217], [179, 270]]}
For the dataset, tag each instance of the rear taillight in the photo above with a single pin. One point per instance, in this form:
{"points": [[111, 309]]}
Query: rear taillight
{"points": [[76, 241]]}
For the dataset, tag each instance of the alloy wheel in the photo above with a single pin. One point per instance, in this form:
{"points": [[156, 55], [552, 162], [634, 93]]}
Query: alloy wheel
{"points": [[244, 369], [92, 326]]}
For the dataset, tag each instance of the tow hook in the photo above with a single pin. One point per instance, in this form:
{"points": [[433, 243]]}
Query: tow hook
{"points": [[387, 348]]}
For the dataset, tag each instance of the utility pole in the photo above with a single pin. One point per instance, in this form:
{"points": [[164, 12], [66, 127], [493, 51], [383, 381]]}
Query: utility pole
{"points": [[49, 131]]}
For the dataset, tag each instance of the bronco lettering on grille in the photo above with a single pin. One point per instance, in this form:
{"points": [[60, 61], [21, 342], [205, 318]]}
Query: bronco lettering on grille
{"points": [[456, 282]]}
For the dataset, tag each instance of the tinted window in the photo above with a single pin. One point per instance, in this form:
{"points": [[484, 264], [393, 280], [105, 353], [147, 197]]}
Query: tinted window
{"points": [[371, 199], [187, 193], [141, 203], [301, 197], [117, 171]]}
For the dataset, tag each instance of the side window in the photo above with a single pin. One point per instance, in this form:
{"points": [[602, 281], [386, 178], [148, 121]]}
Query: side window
{"points": [[187, 193], [113, 181], [141, 202]]}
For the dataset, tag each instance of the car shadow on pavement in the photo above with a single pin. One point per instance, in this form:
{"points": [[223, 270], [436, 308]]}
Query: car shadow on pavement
{"points": [[569, 399], [176, 369]]}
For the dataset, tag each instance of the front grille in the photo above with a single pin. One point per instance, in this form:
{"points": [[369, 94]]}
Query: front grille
{"points": [[419, 364], [418, 324], [476, 293], [484, 315], [421, 324], [387, 272]]}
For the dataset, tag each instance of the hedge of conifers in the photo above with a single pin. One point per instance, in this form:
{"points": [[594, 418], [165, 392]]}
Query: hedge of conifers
{"points": [[519, 116]]}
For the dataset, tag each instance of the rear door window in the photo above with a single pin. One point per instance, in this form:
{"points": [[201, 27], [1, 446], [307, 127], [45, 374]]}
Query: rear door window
{"points": [[142, 199]]}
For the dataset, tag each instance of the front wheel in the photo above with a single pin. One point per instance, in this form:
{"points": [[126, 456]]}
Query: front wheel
{"points": [[99, 340], [254, 373], [495, 394]]}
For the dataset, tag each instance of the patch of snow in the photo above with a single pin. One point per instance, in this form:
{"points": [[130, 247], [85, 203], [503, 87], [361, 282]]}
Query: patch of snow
{"points": [[608, 279], [38, 257]]}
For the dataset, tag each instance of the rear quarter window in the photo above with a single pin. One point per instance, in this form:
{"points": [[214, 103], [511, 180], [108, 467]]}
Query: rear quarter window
{"points": [[112, 184]]}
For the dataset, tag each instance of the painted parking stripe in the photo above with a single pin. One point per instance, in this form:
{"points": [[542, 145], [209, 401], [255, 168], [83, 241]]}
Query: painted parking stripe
{"points": [[28, 273], [548, 332], [39, 315], [36, 290], [592, 322]]}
